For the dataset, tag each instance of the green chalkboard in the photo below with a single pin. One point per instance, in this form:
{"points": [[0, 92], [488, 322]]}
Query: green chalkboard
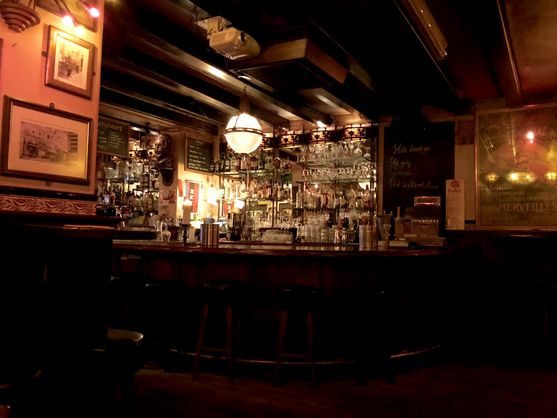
{"points": [[199, 155], [418, 158], [112, 137]]}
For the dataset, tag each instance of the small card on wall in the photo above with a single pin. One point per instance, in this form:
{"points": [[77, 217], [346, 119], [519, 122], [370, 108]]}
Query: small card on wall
{"points": [[455, 204]]}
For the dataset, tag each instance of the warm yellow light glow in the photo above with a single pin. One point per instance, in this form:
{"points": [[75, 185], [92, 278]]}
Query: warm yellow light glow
{"points": [[68, 21], [530, 136], [212, 196], [239, 204], [93, 11], [243, 133], [186, 211], [521, 177], [492, 177], [551, 176], [364, 184], [216, 72]]}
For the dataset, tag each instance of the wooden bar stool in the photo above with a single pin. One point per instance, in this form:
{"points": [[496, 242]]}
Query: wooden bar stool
{"points": [[217, 295], [369, 312], [165, 320], [291, 301]]}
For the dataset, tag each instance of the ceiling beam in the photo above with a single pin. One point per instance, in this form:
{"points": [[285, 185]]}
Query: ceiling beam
{"points": [[129, 99]]}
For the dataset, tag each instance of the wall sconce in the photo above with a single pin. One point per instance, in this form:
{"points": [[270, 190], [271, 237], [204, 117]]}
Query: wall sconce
{"points": [[243, 132], [17, 16]]}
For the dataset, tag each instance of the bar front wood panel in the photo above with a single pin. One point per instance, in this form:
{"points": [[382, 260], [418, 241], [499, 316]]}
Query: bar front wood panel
{"points": [[412, 279], [269, 268]]}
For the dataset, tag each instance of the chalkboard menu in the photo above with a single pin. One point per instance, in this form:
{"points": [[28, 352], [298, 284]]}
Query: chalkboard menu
{"points": [[418, 158], [112, 137], [199, 154]]}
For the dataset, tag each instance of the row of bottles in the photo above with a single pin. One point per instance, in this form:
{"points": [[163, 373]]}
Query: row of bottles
{"points": [[325, 197], [261, 160], [127, 187], [260, 188]]}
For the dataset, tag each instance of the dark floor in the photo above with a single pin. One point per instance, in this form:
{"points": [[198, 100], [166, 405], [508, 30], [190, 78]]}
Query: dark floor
{"points": [[430, 388]]}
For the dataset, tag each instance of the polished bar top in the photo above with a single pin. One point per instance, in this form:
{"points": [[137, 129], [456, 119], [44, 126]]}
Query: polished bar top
{"points": [[266, 249]]}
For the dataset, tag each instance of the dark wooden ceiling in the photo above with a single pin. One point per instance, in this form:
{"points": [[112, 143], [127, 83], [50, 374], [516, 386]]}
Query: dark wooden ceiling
{"points": [[157, 63]]}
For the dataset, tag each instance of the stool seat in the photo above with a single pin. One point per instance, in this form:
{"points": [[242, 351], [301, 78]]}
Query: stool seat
{"points": [[123, 335], [124, 350], [221, 291], [296, 296], [124, 356]]}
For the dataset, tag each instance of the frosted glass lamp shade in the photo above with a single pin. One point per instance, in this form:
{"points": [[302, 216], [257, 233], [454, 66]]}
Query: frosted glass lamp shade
{"points": [[243, 133]]}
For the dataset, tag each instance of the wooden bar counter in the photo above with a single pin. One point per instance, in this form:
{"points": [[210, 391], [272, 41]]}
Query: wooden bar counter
{"points": [[413, 278], [331, 268]]}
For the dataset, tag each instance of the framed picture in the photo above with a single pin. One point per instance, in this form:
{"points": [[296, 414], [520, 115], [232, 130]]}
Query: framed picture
{"points": [[69, 63], [75, 7], [516, 168], [44, 143]]}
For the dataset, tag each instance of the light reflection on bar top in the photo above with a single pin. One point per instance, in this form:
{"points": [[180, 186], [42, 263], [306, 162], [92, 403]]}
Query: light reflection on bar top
{"points": [[273, 246], [255, 247]]}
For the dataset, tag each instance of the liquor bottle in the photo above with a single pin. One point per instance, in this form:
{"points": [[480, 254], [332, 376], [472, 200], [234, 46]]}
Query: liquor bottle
{"points": [[299, 198], [399, 225]]}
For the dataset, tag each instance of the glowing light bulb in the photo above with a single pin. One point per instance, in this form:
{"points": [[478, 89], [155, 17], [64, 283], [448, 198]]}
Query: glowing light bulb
{"points": [[492, 177], [551, 176], [93, 11], [530, 136], [67, 20]]}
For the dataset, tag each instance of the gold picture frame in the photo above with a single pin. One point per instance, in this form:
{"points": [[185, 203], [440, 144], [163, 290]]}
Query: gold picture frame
{"points": [[516, 168], [41, 142], [75, 7], [69, 63]]}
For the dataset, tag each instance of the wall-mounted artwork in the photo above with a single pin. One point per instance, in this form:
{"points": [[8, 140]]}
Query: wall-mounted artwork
{"points": [[516, 168], [75, 7], [70, 63], [43, 143]]}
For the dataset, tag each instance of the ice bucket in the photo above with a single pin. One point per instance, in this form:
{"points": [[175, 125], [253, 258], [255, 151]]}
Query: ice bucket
{"points": [[366, 237], [210, 235]]}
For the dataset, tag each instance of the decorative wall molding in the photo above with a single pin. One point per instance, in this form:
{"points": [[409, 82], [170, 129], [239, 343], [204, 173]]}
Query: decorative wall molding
{"points": [[46, 205]]}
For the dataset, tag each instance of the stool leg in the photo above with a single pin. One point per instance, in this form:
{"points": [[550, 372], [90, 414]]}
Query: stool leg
{"points": [[309, 319], [200, 340], [229, 339], [280, 343]]}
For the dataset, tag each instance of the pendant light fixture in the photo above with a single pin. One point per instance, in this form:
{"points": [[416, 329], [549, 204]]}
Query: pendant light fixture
{"points": [[17, 16], [243, 132]]}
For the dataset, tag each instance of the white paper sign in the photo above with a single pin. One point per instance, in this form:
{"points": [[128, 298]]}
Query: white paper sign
{"points": [[455, 203]]}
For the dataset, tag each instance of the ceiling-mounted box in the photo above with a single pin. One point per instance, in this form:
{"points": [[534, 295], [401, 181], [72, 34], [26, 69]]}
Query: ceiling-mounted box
{"points": [[234, 44]]}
